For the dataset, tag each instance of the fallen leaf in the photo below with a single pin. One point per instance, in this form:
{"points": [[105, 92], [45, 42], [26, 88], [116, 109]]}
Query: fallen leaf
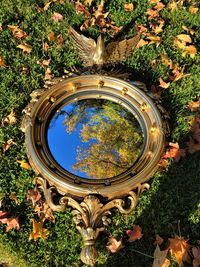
{"points": [[57, 17], [88, 2], [10, 119], [163, 163], [13, 197], [196, 255], [159, 240], [44, 211], [153, 1], [51, 36], [178, 248], [115, 245], [38, 230], [24, 164], [152, 14], [163, 84], [190, 50], [159, 28], [154, 39], [12, 223], [45, 46], [134, 234], [33, 195], [25, 47], [45, 62], [159, 6], [48, 74], [193, 146], [173, 6], [160, 258], [8, 144], [17, 32], [141, 29], [174, 152], [178, 73], [191, 31], [184, 38], [166, 61], [194, 105], [81, 9], [2, 62], [128, 7], [193, 9], [141, 43], [59, 41]]}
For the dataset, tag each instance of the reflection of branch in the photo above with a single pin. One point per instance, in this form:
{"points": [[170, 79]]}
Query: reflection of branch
{"points": [[108, 161]]}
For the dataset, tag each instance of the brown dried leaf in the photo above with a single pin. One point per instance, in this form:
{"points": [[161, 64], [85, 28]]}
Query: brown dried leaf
{"points": [[174, 152], [159, 6], [38, 230], [45, 46], [134, 234], [12, 223], [163, 84], [8, 144], [59, 41], [57, 17], [115, 245], [10, 119], [128, 7], [2, 62], [17, 32], [196, 255], [141, 43], [166, 61], [51, 37], [152, 14], [33, 195], [178, 73], [24, 164], [44, 211], [154, 39], [159, 240], [48, 74], [141, 29], [25, 47], [194, 105], [13, 197], [81, 9], [45, 62], [160, 258]]}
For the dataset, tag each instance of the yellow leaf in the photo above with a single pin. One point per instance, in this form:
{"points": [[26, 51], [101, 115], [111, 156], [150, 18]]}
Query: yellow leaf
{"points": [[154, 39], [17, 32], [25, 47], [10, 119], [141, 43], [38, 230], [153, 1], [179, 43], [184, 38], [191, 31], [193, 9], [2, 62], [173, 6], [88, 2], [190, 50], [128, 7], [24, 164], [163, 84], [51, 36]]}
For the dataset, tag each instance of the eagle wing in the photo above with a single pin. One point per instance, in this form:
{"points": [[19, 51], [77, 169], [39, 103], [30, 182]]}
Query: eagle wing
{"points": [[84, 46], [118, 51]]}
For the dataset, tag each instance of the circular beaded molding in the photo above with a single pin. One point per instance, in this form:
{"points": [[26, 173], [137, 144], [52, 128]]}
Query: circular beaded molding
{"points": [[95, 87]]}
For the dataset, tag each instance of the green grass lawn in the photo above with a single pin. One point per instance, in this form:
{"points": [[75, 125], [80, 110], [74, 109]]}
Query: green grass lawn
{"points": [[174, 196]]}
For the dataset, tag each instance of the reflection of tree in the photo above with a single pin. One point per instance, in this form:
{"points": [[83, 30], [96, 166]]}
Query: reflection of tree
{"points": [[112, 140]]}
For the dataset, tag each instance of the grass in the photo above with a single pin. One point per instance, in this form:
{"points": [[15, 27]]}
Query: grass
{"points": [[173, 198]]}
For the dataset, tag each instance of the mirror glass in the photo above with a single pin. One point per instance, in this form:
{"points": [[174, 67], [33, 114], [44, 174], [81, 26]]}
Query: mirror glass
{"points": [[94, 138]]}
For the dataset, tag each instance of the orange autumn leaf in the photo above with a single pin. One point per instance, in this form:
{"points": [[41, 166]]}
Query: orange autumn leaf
{"points": [[44, 211], [159, 28], [128, 7], [12, 223], [141, 43], [184, 38], [178, 248], [81, 9], [196, 255], [2, 62], [153, 1], [166, 61], [24, 164], [190, 50], [25, 47], [154, 39], [193, 9], [114, 245], [57, 17], [174, 152], [45, 62], [160, 258], [159, 6], [159, 240], [141, 29], [178, 73], [163, 84], [38, 230], [10, 119], [173, 6], [163, 163], [51, 36], [33, 195], [17, 32], [194, 105], [152, 14], [191, 31], [134, 234], [8, 144]]}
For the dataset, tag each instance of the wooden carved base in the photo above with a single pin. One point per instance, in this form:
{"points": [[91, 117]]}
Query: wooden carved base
{"points": [[90, 215]]}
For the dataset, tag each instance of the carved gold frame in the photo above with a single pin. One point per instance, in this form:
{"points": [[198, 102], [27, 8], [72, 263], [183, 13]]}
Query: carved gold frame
{"points": [[90, 215]]}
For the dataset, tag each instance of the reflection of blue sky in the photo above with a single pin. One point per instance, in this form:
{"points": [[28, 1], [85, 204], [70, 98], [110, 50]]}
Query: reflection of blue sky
{"points": [[63, 145]]}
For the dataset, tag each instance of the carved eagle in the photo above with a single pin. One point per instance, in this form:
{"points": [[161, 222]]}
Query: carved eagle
{"points": [[95, 53]]}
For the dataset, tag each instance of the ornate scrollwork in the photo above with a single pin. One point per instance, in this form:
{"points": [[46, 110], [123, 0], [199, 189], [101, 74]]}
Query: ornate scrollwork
{"points": [[90, 215]]}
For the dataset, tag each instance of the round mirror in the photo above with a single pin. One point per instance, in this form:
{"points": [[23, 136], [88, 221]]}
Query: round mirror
{"points": [[94, 138]]}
